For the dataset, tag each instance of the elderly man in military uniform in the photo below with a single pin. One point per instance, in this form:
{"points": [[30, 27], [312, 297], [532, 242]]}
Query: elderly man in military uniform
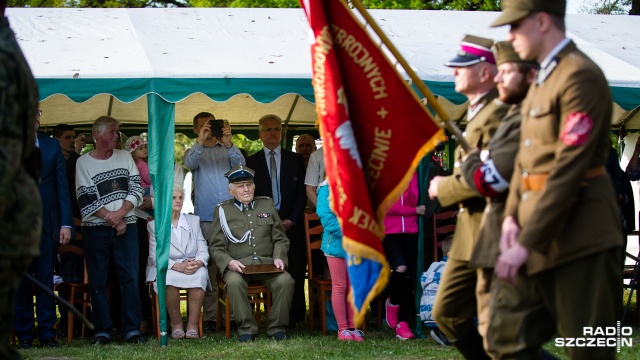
{"points": [[455, 306], [247, 231], [20, 205], [561, 218], [490, 176]]}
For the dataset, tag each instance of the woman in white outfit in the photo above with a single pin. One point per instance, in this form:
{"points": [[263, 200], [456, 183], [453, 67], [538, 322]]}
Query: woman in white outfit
{"points": [[188, 257]]}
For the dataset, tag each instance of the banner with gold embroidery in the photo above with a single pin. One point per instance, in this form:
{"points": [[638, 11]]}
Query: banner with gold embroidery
{"points": [[375, 131]]}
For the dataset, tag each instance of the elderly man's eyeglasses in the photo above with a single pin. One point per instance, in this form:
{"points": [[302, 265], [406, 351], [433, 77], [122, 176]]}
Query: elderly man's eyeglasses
{"points": [[271, 129]]}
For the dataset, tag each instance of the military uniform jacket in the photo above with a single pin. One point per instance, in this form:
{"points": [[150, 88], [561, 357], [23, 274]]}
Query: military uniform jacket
{"points": [[491, 180], [454, 189], [20, 204], [565, 129], [266, 240]]}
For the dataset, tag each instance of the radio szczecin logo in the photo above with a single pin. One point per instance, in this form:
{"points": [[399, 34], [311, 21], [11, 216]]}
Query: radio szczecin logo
{"points": [[609, 336]]}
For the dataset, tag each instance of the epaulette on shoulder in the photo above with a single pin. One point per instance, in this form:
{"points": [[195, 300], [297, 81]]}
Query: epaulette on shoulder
{"points": [[262, 197], [225, 202]]}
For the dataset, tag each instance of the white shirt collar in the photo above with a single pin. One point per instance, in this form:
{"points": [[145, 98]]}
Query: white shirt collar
{"points": [[276, 150], [182, 223], [554, 52]]}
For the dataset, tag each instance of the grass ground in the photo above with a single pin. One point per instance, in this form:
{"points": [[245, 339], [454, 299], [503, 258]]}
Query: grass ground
{"points": [[304, 344]]}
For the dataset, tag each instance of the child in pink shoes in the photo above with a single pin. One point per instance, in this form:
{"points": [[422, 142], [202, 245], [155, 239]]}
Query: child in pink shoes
{"points": [[332, 248], [400, 247]]}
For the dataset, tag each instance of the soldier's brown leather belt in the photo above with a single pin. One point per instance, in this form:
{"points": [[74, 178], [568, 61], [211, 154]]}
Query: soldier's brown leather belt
{"points": [[535, 182], [473, 205]]}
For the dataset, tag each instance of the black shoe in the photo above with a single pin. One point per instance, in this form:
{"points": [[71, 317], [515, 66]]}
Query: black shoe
{"points": [[137, 339], [209, 326], [101, 340], [279, 336], [439, 337], [26, 344], [247, 337], [51, 343]]}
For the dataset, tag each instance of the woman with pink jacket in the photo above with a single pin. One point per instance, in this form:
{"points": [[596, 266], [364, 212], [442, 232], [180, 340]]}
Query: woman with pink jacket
{"points": [[401, 248]]}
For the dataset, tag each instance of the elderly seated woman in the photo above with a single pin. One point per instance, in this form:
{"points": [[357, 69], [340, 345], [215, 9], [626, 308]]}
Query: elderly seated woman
{"points": [[188, 257]]}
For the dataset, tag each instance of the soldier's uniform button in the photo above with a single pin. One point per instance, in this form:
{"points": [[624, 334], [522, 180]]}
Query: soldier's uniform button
{"points": [[248, 214], [464, 133], [254, 253], [456, 164], [527, 142], [532, 112], [525, 196], [254, 245], [461, 210], [250, 222]]}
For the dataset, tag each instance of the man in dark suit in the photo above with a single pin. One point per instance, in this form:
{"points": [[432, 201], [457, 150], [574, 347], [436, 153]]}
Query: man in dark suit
{"points": [[56, 228], [286, 168]]}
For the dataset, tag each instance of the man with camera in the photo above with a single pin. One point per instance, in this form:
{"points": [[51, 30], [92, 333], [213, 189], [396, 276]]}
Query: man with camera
{"points": [[209, 159]]}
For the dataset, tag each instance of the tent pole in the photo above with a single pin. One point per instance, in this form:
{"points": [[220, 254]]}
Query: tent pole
{"points": [[420, 85]]}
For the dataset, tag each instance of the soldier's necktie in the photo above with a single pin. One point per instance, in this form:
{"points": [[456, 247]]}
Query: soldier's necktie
{"points": [[274, 178]]}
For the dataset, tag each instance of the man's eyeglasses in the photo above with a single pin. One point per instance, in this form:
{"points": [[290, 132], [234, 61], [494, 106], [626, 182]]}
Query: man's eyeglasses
{"points": [[270, 129]]}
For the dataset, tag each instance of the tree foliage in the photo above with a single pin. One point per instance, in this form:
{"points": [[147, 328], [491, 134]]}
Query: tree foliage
{"points": [[612, 7], [483, 5]]}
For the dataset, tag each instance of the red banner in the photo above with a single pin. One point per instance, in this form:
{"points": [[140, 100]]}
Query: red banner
{"points": [[375, 131]]}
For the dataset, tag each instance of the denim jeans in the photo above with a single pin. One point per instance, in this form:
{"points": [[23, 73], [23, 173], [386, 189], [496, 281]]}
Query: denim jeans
{"points": [[100, 245]]}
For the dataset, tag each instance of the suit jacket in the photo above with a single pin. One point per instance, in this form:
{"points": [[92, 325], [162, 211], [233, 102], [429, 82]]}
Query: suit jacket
{"points": [[54, 190], [565, 132], [292, 191], [193, 246]]}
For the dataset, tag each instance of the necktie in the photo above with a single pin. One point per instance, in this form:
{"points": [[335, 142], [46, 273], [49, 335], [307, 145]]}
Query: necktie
{"points": [[274, 178]]}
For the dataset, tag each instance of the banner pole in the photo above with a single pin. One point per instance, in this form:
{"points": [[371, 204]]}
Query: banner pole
{"points": [[424, 90]]}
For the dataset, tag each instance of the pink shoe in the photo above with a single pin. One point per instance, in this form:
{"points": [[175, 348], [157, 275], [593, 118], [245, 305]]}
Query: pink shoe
{"points": [[357, 335], [403, 332], [345, 335], [392, 313]]}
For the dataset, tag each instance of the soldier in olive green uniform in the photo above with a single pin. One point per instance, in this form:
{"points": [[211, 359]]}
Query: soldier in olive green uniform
{"points": [[248, 231], [490, 177], [561, 217], [20, 207], [455, 304]]}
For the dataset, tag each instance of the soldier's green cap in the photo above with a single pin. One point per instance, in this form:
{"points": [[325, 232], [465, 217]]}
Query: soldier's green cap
{"points": [[504, 52], [515, 10], [240, 173]]}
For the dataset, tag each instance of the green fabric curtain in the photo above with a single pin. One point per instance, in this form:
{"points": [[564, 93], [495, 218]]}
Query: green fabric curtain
{"points": [[161, 140], [423, 184]]}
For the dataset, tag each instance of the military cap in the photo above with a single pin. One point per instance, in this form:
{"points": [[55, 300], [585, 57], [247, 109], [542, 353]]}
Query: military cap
{"points": [[473, 50], [504, 52], [240, 173], [515, 10]]}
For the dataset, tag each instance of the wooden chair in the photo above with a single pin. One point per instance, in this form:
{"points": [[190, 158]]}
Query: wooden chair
{"points": [[443, 226], [74, 289], [258, 294], [317, 284], [155, 312]]}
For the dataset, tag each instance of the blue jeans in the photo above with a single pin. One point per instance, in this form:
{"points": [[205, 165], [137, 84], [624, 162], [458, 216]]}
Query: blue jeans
{"points": [[100, 244]]}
